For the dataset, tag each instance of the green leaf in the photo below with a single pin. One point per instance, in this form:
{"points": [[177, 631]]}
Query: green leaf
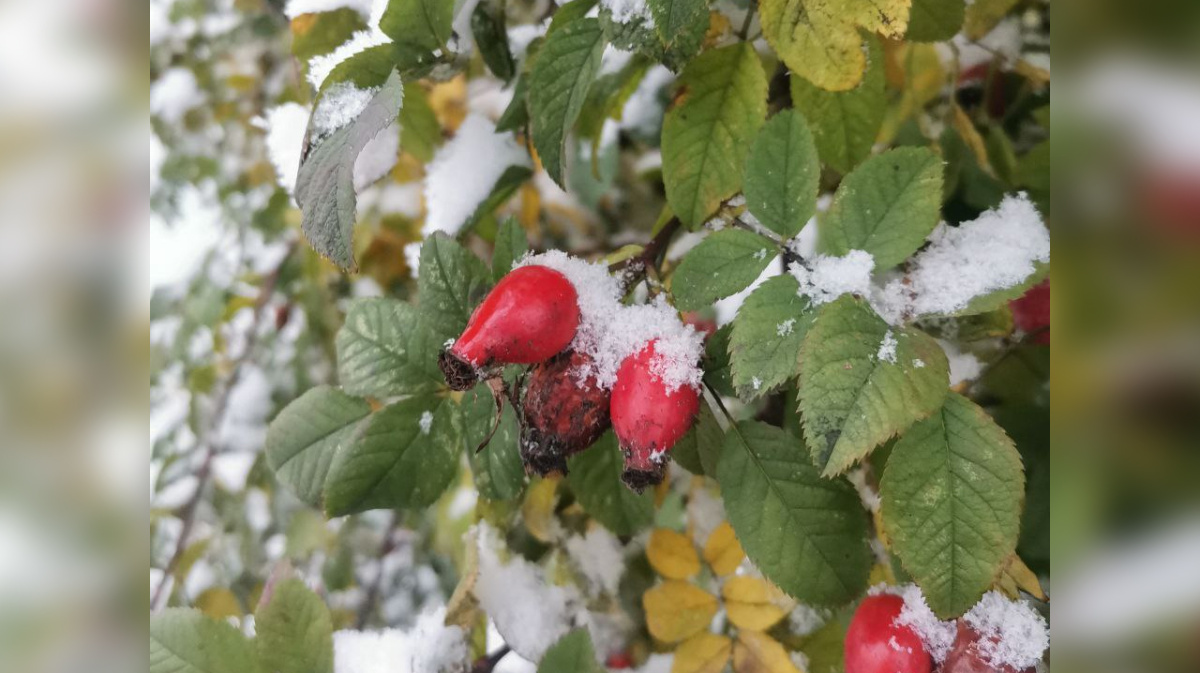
{"points": [[716, 361], [293, 632], [382, 351], [845, 124], [707, 135], [595, 478], [680, 26], [304, 438], [699, 450], [558, 85], [511, 245], [322, 32], [499, 473], [783, 174], [935, 20], [852, 397], [420, 132], [815, 40], [452, 281], [952, 495], [807, 534], [887, 206], [724, 263], [325, 184], [568, 13], [424, 24], [573, 652], [764, 349], [516, 114], [491, 37], [186, 641], [405, 456]]}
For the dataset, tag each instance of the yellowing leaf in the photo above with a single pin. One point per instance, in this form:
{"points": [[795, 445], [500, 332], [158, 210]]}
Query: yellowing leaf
{"points": [[983, 15], [676, 610], [672, 555], [1024, 578], [970, 135], [702, 653], [722, 551], [759, 653], [753, 603], [815, 41], [538, 509], [886, 17], [219, 603]]}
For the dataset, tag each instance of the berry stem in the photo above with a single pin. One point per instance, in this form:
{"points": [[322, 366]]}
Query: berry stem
{"points": [[638, 264]]}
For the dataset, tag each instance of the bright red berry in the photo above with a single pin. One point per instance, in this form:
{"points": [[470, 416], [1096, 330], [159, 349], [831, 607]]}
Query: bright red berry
{"points": [[1031, 313], [876, 644], [619, 660], [530, 316], [560, 415], [648, 418]]}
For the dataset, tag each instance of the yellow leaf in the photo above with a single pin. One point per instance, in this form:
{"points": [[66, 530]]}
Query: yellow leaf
{"points": [[1024, 578], [702, 653], [676, 610], [759, 653], [814, 41], [983, 15], [219, 603], [1031, 72], [718, 27], [753, 603], [538, 509], [970, 135], [722, 551], [671, 554], [886, 17]]}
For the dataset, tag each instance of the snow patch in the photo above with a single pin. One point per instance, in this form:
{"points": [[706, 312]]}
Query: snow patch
{"points": [[285, 126], [599, 556], [426, 422], [464, 171], [629, 11], [319, 67], [438, 648], [339, 105], [826, 278], [1011, 633], [937, 636], [887, 349]]}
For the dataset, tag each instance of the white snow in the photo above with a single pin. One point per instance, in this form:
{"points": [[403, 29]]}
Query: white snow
{"points": [[727, 308], [805, 619], [425, 422], [610, 331], [370, 651], [412, 257], [285, 126], [438, 648], [995, 251], [1011, 632], [964, 366], [519, 38], [643, 111], [530, 612], [339, 105], [937, 636], [887, 348], [786, 327], [174, 93], [627, 11], [378, 157], [599, 556], [825, 278], [464, 171], [295, 8]]}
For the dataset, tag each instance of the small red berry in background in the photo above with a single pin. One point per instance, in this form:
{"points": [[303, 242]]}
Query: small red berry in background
{"points": [[1169, 200], [706, 326], [530, 316], [619, 661], [876, 644], [648, 418], [965, 657], [1031, 312], [561, 415]]}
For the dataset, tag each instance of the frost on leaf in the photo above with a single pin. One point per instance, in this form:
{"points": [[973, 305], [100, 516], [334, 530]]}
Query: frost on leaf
{"points": [[325, 185]]}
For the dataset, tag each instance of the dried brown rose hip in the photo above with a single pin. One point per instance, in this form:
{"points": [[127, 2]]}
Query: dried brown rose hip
{"points": [[648, 417], [530, 316], [561, 416]]}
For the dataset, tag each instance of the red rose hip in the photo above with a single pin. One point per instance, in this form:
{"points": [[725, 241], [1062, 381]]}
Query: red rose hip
{"points": [[530, 316], [560, 416], [876, 644], [648, 418], [1031, 313]]}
